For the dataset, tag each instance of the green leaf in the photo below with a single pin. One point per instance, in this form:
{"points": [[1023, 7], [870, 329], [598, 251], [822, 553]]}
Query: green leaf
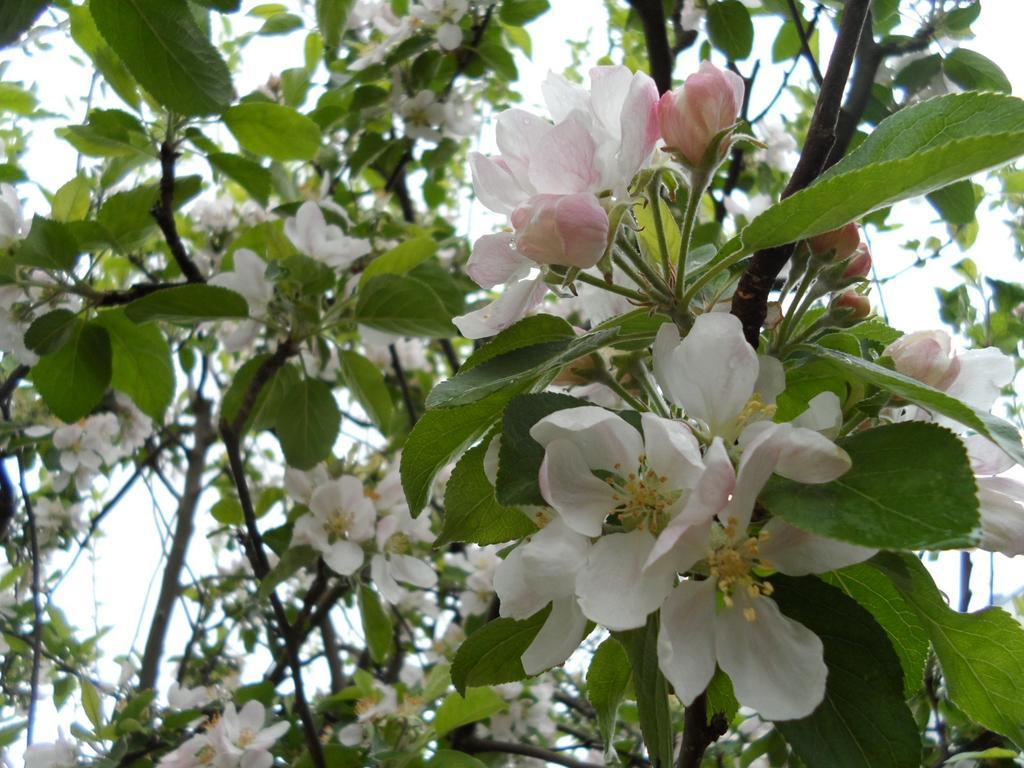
{"points": [[731, 29], [228, 510], [48, 245], [493, 654], [71, 201], [272, 399], [607, 680], [15, 99], [651, 690], [520, 457], [292, 561], [51, 331], [273, 130], [403, 305], [982, 654], [915, 151], [863, 721], [308, 423], [91, 703], [974, 72], [188, 304], [931, 124], [18, 17], [455, 710], [250, 175], [1000, 432], [366, 384], [335, 756], [472, 513], [955, 203], [400, 259], [73, 380], [331, 19], [910, 487], [536, 329], [88, 38], [166, 52], [518, 367], [906, 632], [439, 437], [142, 364], [516, 13], [446, 758], [378, 627]]}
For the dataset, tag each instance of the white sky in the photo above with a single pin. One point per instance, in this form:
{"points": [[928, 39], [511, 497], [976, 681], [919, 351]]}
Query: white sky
{"points": [[119, 573]]}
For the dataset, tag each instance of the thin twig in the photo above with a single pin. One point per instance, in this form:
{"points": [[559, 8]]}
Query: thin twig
{"points": [[750, 301], [37, 602], [472, 745], [698, 733], [659, 54], [805, 40], [163, 212]]}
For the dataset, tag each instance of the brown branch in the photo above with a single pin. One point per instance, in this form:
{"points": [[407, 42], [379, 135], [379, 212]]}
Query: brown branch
{"points": [[805, 40], [750, 302], [128, 295], [252, 541], [170, 586], [684, 38], [163, 212], [473, 745], [403, 384], [37, 601], [659, 54], [698, 734]]}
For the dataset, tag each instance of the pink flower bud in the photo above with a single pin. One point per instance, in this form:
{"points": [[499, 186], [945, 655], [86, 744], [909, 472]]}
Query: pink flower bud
{"points": [[707, 103], [569, 230], [860, 262], [843, 241], [859, 305], [926, 356]]}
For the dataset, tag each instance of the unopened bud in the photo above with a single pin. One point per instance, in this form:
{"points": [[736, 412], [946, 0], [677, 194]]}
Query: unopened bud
{"points": [[860, 262], [843, 242], [926, 356], [692, 115], [566, 230], [858, 304]]}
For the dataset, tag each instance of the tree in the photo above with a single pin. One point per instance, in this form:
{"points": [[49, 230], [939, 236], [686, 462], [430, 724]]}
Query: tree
{"points": [[639, 477]]}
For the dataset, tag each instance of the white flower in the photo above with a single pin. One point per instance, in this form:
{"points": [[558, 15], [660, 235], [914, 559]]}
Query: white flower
{"points": [[300, 484], [13, 324], [181, 697], [395, 535], [781, 152], [12, 224], [479, 563], [216, 216], [51, 516], [312, 235], [248, 278], [241, 737], [422, 114], [446, 15], [538, 572], [63, 754], [341, 517], [379, 705]]}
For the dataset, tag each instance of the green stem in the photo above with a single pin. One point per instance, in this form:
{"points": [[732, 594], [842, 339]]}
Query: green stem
{"points": [[699, 180], [656, 291], [657, 283], [613, 384], [629, 293], [708, 276], [654, 198]]}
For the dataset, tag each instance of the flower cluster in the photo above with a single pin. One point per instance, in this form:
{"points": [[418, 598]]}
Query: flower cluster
{"points": [[635, 511]]}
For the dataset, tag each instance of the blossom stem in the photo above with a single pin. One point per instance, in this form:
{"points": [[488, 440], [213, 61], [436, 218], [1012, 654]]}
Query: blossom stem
{"points": [[699, 180], [709, 275], [613, 384], [658, 285], [654, 200], [629, 293]]}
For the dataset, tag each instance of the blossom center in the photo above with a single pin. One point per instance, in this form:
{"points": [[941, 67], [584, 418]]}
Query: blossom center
{"points": [[642, 499], [732, 564], [398, 544], [246, 737], [337, 524]]}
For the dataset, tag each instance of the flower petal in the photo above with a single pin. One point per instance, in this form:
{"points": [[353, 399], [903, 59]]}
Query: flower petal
{"points": [[798, 553], [568, 485], [672, 451], [686, 638], [561, 635], [541, 569], [514, 303], [810, 457], [983, 374], [344, 557], [412, 570], [564, 162], [614, 589], [494, 184], [495, 260], [776, 664], [604, 439], [1002, 515]]}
